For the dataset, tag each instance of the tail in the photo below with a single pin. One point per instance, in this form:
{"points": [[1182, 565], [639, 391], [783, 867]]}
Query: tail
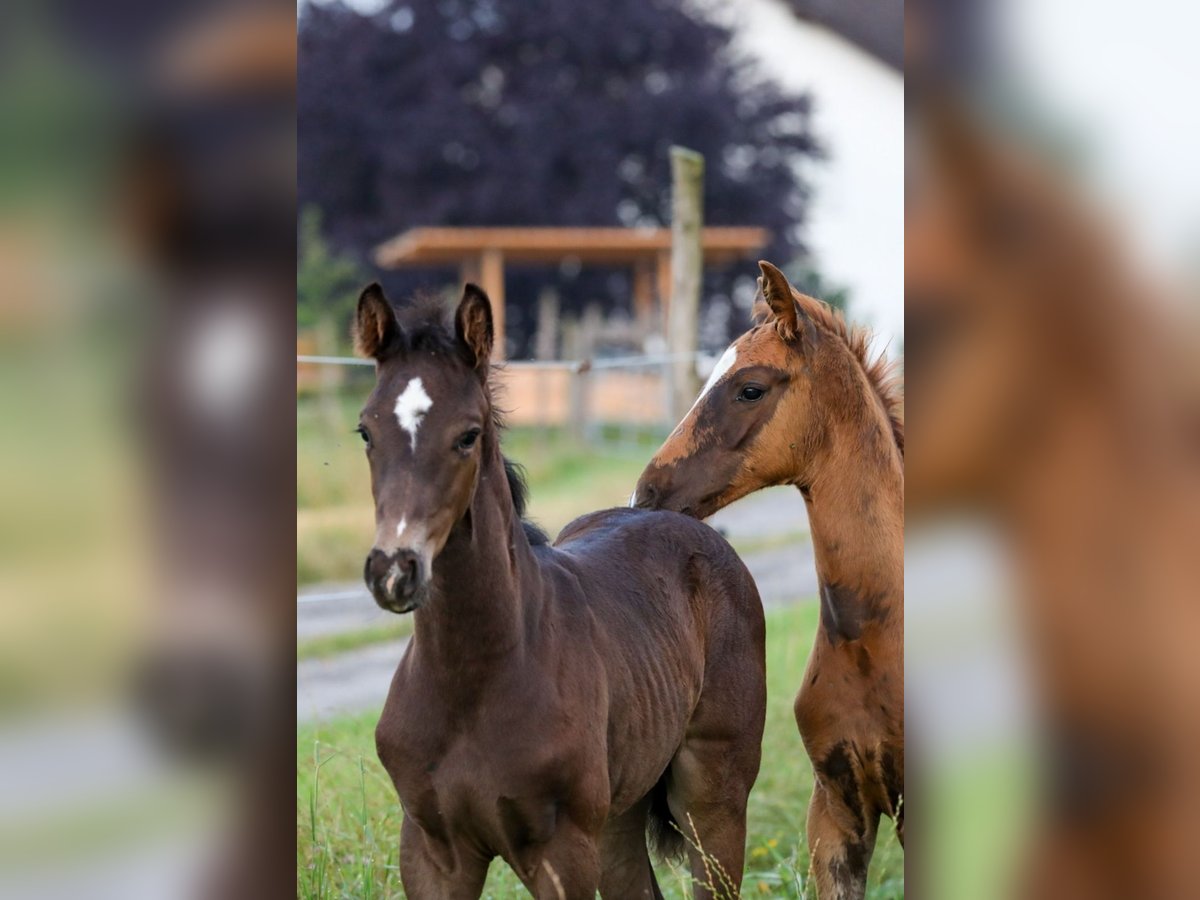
{"points": [[666, 838]]}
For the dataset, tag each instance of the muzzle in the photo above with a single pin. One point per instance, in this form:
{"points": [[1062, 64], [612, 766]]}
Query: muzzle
{"points": [[396, 579]]}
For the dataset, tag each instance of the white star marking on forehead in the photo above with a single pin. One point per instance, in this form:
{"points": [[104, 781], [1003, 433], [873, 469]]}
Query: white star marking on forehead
{"points": [[411, 406]]}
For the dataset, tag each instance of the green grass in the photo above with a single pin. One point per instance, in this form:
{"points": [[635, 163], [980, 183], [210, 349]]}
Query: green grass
{"points": [[335, 520], [348, 817], [980, 812]]}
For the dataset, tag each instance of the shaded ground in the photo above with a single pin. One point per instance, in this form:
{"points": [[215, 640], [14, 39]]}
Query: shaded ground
{"points": [[357, 681]]}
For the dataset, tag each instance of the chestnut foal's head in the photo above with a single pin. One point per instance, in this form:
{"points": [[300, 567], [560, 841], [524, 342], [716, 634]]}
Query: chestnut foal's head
{"points": [[761, 420], [424, 426]]}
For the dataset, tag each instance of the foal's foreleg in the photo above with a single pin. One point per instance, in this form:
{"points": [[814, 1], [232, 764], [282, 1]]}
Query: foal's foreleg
{"points": [[426, 876], [841, 838], [567, 867]]}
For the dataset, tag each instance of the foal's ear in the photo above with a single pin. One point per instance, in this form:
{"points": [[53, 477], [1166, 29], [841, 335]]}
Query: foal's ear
{"points": [[375, 324], [788, 318], [473, 325]]}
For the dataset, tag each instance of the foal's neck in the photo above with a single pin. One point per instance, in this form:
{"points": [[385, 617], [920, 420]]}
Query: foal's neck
{"points": [[855, 501], [477, 613]]}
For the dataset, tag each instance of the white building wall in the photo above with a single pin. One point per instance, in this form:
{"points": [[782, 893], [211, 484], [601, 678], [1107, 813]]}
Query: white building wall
{"points": [[856, 220]]}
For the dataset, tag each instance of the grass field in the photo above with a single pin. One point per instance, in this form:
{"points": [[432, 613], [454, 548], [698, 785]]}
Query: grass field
{"points": [[348, 817]]}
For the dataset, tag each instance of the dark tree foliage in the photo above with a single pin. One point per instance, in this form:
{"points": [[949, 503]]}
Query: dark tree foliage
{"points": [[538, 112]]}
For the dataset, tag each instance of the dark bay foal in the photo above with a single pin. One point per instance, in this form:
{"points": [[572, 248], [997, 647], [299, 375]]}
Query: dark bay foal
{"points": [[555, 702]]}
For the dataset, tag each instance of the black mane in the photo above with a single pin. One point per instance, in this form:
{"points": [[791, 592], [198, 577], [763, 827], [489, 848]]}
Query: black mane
{"points": [[520, 493], [426, 325]]}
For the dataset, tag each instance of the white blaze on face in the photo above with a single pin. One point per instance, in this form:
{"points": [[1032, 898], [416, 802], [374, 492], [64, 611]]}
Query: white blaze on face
{"points": [[724, 364], [411, 406]]}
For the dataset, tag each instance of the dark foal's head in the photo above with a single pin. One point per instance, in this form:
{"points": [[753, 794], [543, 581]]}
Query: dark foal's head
{"points": [[425, 426], [769, 405]]}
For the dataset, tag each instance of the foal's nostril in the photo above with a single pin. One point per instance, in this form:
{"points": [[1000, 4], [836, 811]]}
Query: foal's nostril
{"points": [[392, 577], [646, 496], [408, 567], [375, 568]]}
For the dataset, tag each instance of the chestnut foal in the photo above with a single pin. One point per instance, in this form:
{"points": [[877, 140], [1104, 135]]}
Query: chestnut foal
{"points": [[795, 401], [554, 701]]}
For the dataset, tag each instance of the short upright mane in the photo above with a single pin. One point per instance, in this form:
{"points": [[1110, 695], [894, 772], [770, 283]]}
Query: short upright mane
{"points": [[884, 376]]}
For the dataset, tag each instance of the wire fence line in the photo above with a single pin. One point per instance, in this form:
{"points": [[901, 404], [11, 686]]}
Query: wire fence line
{"points": [[584, 365], [604, 400]]}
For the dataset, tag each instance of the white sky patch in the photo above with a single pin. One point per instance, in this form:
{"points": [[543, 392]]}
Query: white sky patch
{"points": [[411, 406]]}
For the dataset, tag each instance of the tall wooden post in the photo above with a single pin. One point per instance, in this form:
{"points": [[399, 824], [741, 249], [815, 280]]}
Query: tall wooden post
{"points": [[687, 270], [491, 279], [662, 284]]}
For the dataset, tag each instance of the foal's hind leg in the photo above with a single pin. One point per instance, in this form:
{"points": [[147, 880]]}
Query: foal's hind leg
{"points": [[841, 838], [625, 870], [708, 785]]}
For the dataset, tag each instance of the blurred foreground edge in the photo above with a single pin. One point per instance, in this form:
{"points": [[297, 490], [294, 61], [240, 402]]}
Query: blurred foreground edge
{"points": [[207, 193], [1053, 392]]}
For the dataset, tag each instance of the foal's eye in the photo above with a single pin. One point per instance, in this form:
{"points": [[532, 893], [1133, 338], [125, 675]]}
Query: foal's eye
{"points": [[467, 441], [362, 433], [750, 393]]}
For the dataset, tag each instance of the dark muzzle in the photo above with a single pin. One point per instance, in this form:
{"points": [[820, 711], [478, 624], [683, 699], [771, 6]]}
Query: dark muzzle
{"points": [[395, 579]]}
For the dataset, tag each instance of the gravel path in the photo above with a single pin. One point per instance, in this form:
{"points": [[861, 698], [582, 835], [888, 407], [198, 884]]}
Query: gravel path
{"points": [[357, 681]]}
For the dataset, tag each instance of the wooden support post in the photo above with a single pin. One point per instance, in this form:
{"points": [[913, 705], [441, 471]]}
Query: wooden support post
{"points": [[546, 342], [662, 279], [643, 298], [468, 270], [491, 279], [545, 349], [687, 271]]}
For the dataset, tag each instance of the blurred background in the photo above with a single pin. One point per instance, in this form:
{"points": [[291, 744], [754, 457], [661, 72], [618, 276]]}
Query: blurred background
{"points": [[528, 147], [149, 225], [1051, 237], [147, 266]]}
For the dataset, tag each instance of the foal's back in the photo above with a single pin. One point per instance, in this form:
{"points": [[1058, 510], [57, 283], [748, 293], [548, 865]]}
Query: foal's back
{"points": [[656, 579]]}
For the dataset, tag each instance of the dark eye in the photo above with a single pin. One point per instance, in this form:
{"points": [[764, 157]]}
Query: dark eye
{"points": [[362, 432], [751, 392], [467, 441]]}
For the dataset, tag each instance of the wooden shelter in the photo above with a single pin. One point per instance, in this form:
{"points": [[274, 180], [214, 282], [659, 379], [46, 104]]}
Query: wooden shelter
{"points": [[481, 253]]}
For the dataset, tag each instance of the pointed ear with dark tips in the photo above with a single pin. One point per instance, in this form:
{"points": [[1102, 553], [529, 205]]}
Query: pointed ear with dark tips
{"points": [[785, 312], [473, 325], [375, 325]]}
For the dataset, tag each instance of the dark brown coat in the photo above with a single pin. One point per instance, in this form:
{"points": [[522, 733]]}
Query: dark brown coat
{"points": [[555, 700]]}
